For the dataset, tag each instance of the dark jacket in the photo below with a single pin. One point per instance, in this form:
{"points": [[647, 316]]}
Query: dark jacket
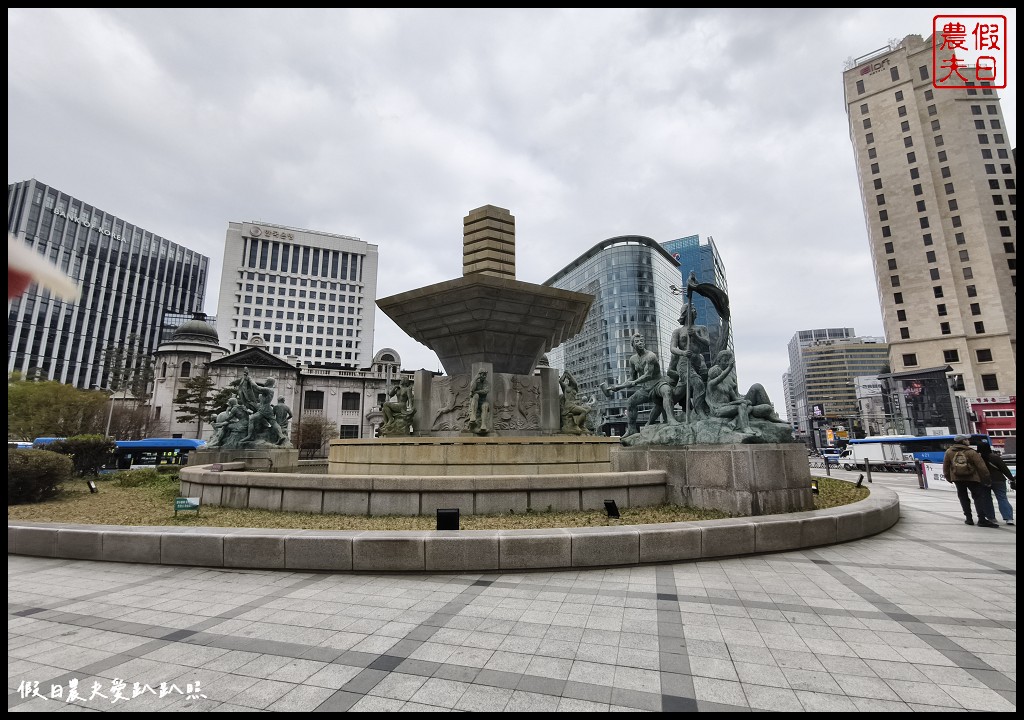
{"points": [[980, 474], [996, 465]]}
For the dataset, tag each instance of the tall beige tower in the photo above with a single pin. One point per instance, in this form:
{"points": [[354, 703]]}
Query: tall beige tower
{"points": [[938, 184]]}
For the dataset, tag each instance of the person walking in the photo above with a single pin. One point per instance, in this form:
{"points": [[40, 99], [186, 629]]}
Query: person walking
{"points": [[963, 466], [1000, 475]]}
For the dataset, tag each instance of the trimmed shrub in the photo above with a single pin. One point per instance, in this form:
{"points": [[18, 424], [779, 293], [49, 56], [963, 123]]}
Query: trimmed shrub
{"points": [[89, 453], [36, 475]]}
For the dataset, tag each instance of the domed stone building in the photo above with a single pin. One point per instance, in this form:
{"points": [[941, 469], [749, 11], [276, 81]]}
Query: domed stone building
{"points": [[336, 400]]}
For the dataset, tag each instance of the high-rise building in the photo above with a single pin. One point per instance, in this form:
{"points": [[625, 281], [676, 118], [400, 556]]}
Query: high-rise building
{"points": [[703, 260], [309, 294], [630, 278], [938, 182], [129, 276], [823, 363]]}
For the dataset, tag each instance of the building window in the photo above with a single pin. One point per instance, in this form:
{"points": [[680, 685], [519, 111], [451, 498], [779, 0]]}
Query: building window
{"points": [[878, 184], [867, 123], [908, 141], [979, 327], [874, 168], [985, 355], [934, 272], [901, 315], [869, 138], [960, 239], [918, 189], [953, 207], [982, 139], [186, 369], [892, 264], [905, 333], [938, 291], [932, 110], [886, 231], [930, 256], [860, 87], [968, 273], [1004, 230], [897, 298], [889, 248], [989, 382], [910, 359], [941, 309], [924, 73], [927, 238], [905, 127], [964, 256], [950, 356], [348, 432], [864, 109], [902, 109], [894, 73], [972, 291], [935, 125], [872, 153], [880, 198], [911, 157], [915, 173], [939, 142], [350, 401], [921, 206], [163, 370], [895, 280], [883, 215], [944, 328], [313, 399]]}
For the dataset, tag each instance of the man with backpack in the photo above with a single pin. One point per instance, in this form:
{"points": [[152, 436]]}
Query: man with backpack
{"points": [[965, 468]]}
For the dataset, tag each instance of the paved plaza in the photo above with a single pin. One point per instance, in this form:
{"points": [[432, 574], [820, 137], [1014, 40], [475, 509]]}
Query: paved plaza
{"points": [[921, 617]]}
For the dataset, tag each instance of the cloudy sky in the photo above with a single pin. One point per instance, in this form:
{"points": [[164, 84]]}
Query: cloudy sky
{"points": [[390, 125]]}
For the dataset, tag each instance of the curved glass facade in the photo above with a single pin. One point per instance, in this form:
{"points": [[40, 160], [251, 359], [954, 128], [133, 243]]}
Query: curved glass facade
{"points": [[630, 278]]}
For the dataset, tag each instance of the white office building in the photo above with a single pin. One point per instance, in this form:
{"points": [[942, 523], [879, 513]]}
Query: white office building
{"points": [[310, 295]]}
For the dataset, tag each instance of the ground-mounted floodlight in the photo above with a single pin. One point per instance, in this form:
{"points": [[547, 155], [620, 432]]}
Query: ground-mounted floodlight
{"points": [[814, 486], [92, 486], [612, 509], [447, 518]]}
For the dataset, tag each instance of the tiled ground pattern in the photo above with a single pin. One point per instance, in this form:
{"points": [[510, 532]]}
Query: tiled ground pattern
{"points": [[919, 618]]}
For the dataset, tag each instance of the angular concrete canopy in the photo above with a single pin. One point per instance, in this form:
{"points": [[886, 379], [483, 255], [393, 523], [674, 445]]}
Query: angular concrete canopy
{"points": [[484, 318]]}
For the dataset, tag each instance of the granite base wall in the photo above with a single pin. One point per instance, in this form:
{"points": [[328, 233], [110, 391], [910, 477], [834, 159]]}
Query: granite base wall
{"points": [[761, 479]]}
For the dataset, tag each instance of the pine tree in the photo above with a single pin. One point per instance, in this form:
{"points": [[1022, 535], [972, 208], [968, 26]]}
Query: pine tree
{"points": [[194, 401]]}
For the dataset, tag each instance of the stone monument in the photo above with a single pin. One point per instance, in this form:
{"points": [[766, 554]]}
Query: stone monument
{"points": [[490, 332], [252, 428]]}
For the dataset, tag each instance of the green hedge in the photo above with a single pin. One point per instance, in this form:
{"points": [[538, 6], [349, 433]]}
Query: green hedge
{"points": [[36, 475], [89, 453]]}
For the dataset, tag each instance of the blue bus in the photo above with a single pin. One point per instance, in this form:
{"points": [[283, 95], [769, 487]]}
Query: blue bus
{"points": [[927, 448], [151, 452]]}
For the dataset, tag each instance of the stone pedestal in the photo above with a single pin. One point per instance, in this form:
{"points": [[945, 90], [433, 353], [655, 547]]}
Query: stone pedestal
{"points": [[755, 479], [270, 460]]}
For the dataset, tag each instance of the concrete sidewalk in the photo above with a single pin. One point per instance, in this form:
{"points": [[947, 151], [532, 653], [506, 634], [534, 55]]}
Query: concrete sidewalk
{"points": [[921, 617]]}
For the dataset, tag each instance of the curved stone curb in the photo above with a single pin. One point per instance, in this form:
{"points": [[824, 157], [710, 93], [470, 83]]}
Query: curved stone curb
{"points": [[456, 551]]}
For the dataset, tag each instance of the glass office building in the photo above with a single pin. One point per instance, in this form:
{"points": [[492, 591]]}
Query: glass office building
{"points": [[630, 278], [703, 260], [129, 276]]}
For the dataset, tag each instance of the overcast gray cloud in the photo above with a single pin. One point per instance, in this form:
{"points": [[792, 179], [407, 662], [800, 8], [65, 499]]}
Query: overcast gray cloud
{"points": [[390, 125]]}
